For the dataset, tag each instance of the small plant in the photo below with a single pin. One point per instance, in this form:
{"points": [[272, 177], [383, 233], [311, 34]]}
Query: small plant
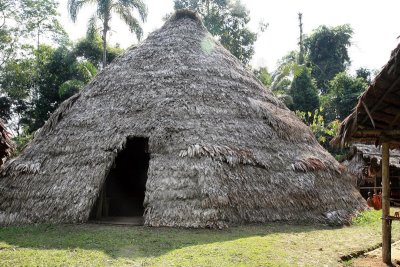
{"points": [[323, 131], [368, 217]]}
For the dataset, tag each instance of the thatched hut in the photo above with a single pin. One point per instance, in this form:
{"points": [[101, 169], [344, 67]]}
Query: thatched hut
{"points": [[364, 163], [178, 130], [6, 145]]}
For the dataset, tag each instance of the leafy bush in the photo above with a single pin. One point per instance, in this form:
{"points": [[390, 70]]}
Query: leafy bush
{"points": [[323, 131]]}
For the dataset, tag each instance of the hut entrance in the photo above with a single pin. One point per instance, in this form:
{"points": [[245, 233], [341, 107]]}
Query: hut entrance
{"points": [[124, 190]]}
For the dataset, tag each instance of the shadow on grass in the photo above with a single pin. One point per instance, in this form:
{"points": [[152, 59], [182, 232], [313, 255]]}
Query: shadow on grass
{"points": [[134, 241]]}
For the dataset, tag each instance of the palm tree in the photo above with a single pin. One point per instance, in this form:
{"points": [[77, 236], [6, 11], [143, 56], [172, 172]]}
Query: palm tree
{"points": [[124, 8]]}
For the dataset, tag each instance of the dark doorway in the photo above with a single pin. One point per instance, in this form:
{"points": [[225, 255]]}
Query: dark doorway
{"points": [[124, 189]]}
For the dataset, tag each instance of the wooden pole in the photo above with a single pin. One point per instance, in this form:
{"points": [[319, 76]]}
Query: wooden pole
{"points": [[386, 224]]}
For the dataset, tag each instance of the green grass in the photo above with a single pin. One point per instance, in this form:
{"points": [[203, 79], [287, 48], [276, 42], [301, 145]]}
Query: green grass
{"points": [[253, 245], [368, 217]]}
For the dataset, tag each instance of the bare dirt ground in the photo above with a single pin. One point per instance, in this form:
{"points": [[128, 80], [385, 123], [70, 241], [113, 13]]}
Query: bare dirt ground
{"points": [[374, 258]]}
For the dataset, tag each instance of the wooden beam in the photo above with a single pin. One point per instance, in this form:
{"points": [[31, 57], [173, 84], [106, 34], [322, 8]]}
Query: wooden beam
{"points": [[392, 99], [395, 120], [386, 224], [368, 113], [377, 132]]}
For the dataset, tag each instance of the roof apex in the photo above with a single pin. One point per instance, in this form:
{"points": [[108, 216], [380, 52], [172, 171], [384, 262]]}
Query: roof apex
{"points": [[186, 13]]}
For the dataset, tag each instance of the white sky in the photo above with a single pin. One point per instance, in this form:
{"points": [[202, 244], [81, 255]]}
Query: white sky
{"points": [[375, 25]]}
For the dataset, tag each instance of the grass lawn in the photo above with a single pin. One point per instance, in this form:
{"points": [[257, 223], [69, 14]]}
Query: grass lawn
{"points": [[253, 245]]}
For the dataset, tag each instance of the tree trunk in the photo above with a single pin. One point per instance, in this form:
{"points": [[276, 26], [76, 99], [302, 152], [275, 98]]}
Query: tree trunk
{"points": [[386, 224], [301, 54], [105, 29]]}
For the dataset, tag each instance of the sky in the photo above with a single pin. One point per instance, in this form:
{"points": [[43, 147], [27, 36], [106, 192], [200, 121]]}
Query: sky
{"points": [[375, 25]]}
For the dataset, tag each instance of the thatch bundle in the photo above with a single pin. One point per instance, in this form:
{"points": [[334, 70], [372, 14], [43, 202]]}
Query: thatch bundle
{"points": [[223, 149], [6, 145]]}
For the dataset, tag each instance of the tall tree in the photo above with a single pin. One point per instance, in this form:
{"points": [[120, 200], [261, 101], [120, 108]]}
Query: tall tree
{"points": [[304, 91], [342, 96], [40, 17], [301, 43], [62, 75], [327, 53], [366, 74], [228, 21], [124, 8], [9, 15]]}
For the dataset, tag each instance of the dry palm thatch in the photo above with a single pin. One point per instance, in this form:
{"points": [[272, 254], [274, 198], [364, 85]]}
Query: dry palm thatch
{"points": [[223, 149], [6, 145]]}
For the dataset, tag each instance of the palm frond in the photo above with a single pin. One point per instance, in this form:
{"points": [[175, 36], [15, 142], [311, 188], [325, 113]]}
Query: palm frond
{"points": [[92, 27], [139, 5], [129, 19], [104, 9], [74, 6]]}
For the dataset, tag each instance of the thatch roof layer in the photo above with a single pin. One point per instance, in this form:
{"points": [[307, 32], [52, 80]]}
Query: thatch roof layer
{"points": [[377, 112], [223, 149], [371, 152], [6, 145], [363, 162]]}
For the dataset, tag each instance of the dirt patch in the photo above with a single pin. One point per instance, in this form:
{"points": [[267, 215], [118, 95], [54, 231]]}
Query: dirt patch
{"points": [[374, 258]]}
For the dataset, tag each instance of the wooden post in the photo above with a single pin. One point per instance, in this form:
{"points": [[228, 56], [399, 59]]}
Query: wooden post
{"points": [[386, 224]]}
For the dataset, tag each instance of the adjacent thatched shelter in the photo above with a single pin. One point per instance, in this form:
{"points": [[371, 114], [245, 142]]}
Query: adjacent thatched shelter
{"points": [[6, 145], [376, 119], [364, 162], [210, 146]]}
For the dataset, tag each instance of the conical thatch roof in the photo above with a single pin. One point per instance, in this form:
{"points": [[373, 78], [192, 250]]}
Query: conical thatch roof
{"points": [[6, 145], [223, 149]]}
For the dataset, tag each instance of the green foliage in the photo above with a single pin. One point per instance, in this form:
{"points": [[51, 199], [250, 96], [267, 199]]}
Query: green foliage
{"points": [[39, 18], [9, 33], [15, 88], [69, 88], [264, 76], [34, 79], [33, 87], [227, 20], [327, 52], [323, 131], [84, 71], [304, 91], [365, 74], [16, 78], [91, 48], [343, 92], [21, 141], [266, 79], [287, 69], [61, 75], [368, 217]]}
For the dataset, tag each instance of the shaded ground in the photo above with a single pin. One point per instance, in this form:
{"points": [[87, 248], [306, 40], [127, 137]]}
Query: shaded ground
{"points": [[253, 245]]}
